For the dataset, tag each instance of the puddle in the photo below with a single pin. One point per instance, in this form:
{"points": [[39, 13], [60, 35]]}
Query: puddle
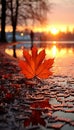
{"points": [[64, 115], [67, 127]]}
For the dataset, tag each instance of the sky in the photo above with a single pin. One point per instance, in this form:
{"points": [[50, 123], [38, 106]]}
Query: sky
{"points": [[61, 17], [62, 14]]}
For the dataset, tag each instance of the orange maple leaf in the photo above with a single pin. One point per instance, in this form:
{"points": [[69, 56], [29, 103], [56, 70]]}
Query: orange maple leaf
{"points": [[35, 64]]}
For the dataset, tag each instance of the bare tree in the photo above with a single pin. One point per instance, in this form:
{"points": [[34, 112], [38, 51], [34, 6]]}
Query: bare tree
{"points": [[12, 6], [29, 11], [34, 10]]}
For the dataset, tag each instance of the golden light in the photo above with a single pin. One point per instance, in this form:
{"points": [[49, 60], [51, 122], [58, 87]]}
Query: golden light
{"points": [[22, 34], [51, 53], [54, 42], [54, 51], [9, 51], [53, 28], [54, 31]]}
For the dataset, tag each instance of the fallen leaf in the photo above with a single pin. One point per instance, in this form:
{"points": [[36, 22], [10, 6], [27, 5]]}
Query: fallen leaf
{"points": [[35, 64]]}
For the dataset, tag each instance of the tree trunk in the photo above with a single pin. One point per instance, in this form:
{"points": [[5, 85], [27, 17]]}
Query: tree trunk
{"points": [[3, 20], [14, 19], [14, 24], [14, 34]]}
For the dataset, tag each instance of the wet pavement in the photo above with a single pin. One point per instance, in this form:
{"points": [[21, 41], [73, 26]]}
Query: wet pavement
{"points": [[34, 105]]}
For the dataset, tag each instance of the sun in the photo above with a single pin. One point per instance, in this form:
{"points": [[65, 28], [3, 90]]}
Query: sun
{"points": [[54, 31]]}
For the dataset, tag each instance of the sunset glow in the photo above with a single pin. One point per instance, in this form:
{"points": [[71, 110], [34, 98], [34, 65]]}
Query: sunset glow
{"points": [[54, 29], [60, 19]]}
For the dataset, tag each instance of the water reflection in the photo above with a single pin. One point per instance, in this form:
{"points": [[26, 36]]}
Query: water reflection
{"points": [[38, 109], [63, 54], [56, 51]]}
